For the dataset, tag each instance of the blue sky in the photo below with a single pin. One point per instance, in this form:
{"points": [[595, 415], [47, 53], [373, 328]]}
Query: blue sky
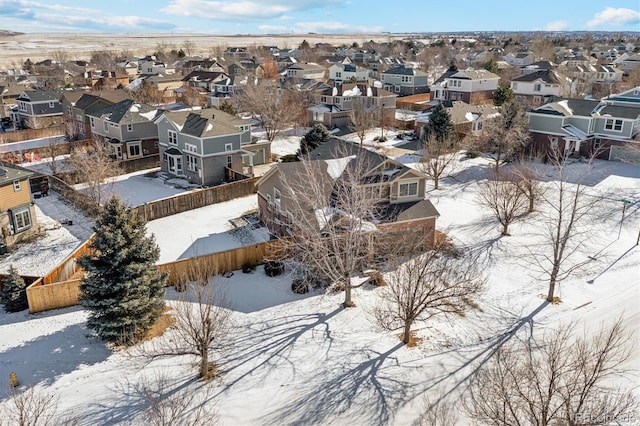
{"points": [[320, 16]]}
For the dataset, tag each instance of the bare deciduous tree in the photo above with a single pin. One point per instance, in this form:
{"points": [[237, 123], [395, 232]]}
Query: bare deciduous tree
{"points": [[167, 406], [439, 155], [31, 407], [262, 101], [433, 283], [331, 211], [508, 132], [93, 165], [556, 379], [528, 180], [504, 198], [361, 119]]}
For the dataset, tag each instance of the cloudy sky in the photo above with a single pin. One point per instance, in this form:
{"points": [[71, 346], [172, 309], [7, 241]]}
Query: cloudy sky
{"points": [[320, 16]]}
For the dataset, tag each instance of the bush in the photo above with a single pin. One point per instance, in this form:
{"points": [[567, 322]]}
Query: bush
{"points": [[273, 268], [289, 158], [300, 286], [378, 280]]}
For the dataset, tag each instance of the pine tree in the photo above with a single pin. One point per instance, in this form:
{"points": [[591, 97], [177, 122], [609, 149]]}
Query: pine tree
{"points": [[14, 292], [122, 290], [503, 95], [439, 124], [313, 139]]}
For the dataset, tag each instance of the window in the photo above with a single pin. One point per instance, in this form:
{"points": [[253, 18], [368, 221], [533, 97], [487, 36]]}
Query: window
{"points": [[81, 128], [514, 86], [228, 147], [93, 124], [21, 220], [269, 203], [554, 143], [477, 125], [129, 127], [165, 157], [190, 147], [69, 110], [338, 74], [22, 106], [537, 87], [409, 189], [192, 163], [318, 116], [16, 186], [229, 161], [134, 149], [597, 143], [52, 105], [615, 125], [175, 164], [277, 199], [173, 137], [106, 126]]}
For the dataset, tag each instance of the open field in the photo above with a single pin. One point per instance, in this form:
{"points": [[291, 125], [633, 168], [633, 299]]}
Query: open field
{"points": [[40, 46]]}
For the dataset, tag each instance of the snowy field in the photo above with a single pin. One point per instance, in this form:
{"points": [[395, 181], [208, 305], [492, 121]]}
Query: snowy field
{"points": [[304, 360]]}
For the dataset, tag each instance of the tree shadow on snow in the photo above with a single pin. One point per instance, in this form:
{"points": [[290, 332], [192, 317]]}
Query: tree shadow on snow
{"points": [[45, 358]]}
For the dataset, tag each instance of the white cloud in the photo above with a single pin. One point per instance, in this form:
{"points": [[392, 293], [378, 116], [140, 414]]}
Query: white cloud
{"points": [[614, 17], [273, 28], [556, 26], [243, 9], [335, 27]]}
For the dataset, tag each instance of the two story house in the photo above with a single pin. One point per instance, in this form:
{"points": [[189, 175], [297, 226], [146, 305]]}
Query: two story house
{"points": [[333, 104], [17, 210], [77, 105], [581, 127], [405, 81], [204, 145], [535, 88], [129, 127], [467, 120], [401, 212], [339, 73], [306, 71], [474, 87], [38, 109]]}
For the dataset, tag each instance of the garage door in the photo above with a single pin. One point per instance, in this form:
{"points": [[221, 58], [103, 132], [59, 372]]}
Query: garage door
{"points": [[625, 154]]}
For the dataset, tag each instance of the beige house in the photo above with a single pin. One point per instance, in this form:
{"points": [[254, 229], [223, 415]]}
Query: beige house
{"points": [[17, 210]]}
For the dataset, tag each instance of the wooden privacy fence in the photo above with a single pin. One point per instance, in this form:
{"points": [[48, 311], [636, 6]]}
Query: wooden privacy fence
{"points": [[44, 294], [196, 199]]}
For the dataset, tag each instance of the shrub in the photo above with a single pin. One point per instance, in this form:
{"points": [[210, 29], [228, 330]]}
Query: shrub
{"points": [[300, 286], [273, 268], [14, 292]]}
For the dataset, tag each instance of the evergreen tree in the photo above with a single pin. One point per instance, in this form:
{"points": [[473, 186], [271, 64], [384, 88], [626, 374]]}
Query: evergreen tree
{"points": [[228, 108], [14, 292], [503, 95], [122, 290], [439, 124], [313, 139], [491, 66]]}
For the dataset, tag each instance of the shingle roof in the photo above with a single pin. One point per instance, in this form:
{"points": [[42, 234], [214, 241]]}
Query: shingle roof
{"points": [[474, 75], [9, 174], [547, 76], [407, 211], [621, 111], [40, 95], [402, 70], [339, 148], [128, 112], [205, 123]]}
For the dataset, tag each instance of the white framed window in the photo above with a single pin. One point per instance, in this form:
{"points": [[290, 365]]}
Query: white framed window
{"points": [[277, 199], [129, 128], [269, 203], [190, 147], [229, 161], [408, 189], [173, 137], [175, 164], [81, 128], [106, 126], [597, 143], [21, 220], [613, 124], [16, 186], [93, 124], [192, 163], [318, 116], [165, 157], [69, 110], [22, 106], [134, 149], [228, 147]]}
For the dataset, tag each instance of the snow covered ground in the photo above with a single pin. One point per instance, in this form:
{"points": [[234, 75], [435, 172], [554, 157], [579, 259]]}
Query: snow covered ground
{"points": [[295, 359]]}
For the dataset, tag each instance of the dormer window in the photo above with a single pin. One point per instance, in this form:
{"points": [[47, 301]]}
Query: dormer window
{"points": [[408, 189]]}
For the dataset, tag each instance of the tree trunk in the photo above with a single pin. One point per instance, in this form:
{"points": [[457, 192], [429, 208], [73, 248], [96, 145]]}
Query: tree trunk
{"points": [[406, 335], [505, 228], [436, 181], [552, 287], [348, 303], [531, 202], [204, 362]]}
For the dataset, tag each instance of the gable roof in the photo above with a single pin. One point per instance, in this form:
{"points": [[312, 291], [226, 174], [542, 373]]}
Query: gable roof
{"points": [[474, 75], [127, 112], [8, 173], [205, 123], [40, 95], [339, 148], [547, 76], [403, 70], [568, 107]]}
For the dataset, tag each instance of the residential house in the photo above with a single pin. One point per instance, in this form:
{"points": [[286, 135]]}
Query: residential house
{"points": [[401, 213], [129, 127], [404, 81], [467, 120], [581, 127], [236, 53], [632, 63], [629, 97], [332, 105], [77, 105], [149, 65], [9, 94], [207, 146], [17, 211], [537, 66], [519, 59], [164, 86], [471, 86], [535, 88], [305, 71], [38, 109], [339, 73]]}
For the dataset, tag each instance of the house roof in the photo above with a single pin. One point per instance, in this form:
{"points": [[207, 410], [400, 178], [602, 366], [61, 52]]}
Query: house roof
{"points": [[205, 123], [568, 107], [8, 174], [402, 70], [406, 211], [621, 111], [474, 75], [547, 76], [205, 76], [127, 112], [339, 148], [544, 65], [40, 95], [444, 76]]}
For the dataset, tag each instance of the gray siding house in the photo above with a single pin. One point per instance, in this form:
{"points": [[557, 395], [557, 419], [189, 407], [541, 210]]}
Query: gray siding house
{"points": [[129, 127], [205, 145], [38, 109], [405, 81]]}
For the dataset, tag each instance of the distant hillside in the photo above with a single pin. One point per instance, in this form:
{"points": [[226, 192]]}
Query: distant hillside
{"points": [[4, 33]]}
